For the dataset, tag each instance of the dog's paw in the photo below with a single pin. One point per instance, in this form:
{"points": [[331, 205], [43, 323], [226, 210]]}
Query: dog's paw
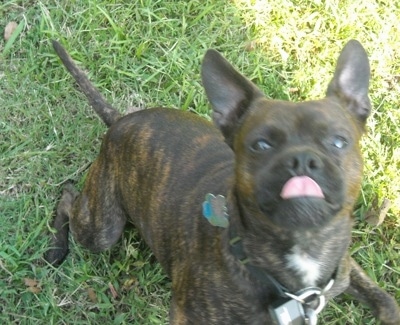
{"points": [[55, 256]]}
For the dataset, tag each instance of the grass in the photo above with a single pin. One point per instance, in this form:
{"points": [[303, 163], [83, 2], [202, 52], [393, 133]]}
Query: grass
{"points": [[147, 53]]}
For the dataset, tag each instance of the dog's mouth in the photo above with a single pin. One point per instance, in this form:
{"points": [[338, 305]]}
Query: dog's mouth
{"points": [[301, 186], [301, 203]]}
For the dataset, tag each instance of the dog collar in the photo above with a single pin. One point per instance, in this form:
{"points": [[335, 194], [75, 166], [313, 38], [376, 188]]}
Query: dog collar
{"points": [[300, 308]]}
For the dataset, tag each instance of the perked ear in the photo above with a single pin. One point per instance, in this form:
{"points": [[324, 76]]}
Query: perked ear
{"points": [[229, 92], [351, 80]]}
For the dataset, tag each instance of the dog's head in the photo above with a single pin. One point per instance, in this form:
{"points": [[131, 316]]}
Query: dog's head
{"points": [[297, 164]]}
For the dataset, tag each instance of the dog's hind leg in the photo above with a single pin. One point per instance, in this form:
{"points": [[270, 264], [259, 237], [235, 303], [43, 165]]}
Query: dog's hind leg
{"points": [[94, 217], [98, 219], [59, 242]]}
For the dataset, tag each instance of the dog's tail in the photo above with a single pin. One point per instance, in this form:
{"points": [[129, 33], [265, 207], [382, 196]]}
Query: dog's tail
{"points": [[107, 113]]}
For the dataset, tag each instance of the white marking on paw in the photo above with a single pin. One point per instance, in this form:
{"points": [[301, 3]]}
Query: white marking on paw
{"points": [[304, 265]]}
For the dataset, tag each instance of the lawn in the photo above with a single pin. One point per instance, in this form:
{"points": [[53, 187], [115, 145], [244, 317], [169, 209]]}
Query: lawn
{"points": [[145, 53]]}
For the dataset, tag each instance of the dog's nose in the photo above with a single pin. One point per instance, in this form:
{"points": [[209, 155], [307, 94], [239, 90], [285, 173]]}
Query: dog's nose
{"points": [[304, 162]]}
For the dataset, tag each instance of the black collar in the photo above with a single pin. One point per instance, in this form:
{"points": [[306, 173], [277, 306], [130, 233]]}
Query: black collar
{"points": [[237, 250], [311, 297]]}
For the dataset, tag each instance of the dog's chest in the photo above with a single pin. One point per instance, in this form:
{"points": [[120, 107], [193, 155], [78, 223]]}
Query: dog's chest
{"points": [[306, 267]]}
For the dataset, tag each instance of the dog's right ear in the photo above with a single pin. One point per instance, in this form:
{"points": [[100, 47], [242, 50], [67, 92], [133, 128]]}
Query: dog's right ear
{"points": [[229, 92]]}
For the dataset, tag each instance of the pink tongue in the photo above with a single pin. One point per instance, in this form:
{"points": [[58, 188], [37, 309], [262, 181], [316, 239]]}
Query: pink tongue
{"points": [[301, 186]]}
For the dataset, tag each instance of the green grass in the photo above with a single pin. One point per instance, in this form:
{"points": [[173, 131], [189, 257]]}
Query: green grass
{"points": [[148, 53]]}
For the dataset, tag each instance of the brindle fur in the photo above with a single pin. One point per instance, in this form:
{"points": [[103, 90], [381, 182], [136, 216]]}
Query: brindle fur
{"points": [[155, 167]]}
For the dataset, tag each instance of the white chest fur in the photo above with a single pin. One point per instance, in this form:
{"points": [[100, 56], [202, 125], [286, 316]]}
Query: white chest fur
{"points": [[304, 265]]}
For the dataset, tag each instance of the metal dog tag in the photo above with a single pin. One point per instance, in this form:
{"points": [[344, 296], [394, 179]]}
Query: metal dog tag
{"points": [[214, 209], [287, 312], [311, 316]]}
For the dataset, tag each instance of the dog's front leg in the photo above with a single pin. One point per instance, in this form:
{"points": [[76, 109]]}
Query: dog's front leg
{"points": [[177, 316], [383, 306]]}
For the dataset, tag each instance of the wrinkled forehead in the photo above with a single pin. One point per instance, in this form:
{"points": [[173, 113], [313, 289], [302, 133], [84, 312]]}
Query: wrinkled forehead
{"points": [[326, 113]]}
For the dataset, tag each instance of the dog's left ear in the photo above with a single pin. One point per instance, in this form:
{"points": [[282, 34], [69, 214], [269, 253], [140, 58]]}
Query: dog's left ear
{"points": [[351, 80], [229, 92]]}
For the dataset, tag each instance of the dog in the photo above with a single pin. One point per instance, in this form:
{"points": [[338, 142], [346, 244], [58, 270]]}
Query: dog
{"points": [[250, 219]]}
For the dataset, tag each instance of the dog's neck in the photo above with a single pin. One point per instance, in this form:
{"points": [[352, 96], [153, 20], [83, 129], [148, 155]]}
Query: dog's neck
{"points": [[301, 258]]}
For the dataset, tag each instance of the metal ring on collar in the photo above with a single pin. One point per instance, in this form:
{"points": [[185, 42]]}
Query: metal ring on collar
{"points": [[307, 293]]}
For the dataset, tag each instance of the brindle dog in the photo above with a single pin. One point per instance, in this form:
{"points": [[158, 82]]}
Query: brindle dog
{"points": [[251, 220]]}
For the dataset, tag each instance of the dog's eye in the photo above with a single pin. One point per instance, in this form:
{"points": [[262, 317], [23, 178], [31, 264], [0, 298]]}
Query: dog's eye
{"points": [[261, 145], [339, 142]]}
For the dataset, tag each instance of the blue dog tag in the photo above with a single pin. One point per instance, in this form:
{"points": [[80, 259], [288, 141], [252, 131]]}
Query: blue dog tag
{"points": [[214, 210]]}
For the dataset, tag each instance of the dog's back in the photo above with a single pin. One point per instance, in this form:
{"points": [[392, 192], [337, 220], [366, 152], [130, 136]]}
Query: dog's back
{"points": [[150, 157]]}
